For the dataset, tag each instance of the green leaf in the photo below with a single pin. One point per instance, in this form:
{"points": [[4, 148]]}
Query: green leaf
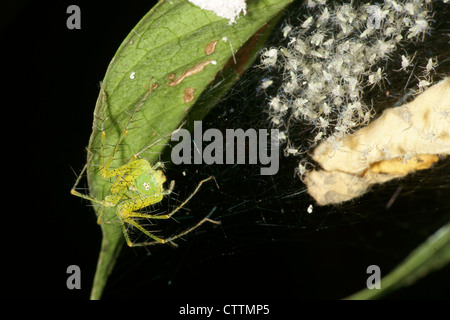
{"points": [[165, 49], [431, 255]]}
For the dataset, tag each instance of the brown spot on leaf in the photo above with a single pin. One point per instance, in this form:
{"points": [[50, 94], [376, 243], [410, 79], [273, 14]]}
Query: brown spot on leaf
{"points": [[188, 94], [189, 72], [210, 47]]}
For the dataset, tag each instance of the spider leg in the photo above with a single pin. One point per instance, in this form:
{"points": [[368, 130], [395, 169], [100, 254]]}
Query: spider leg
{"points": [[169, 215], [142, 229], [205, 219], [127, 208], [158, 165], [169, 191], [179, 235], [126, 212], [73, 191]]}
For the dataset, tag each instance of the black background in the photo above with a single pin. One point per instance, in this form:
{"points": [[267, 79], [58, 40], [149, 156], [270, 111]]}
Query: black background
{"points": [[267, 248]]}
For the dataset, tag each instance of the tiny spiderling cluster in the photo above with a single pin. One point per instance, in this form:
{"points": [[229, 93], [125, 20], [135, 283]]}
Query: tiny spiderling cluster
{"points": [[333, 55]]}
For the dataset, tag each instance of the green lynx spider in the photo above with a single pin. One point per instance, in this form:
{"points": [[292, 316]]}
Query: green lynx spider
{"points": [[137, 185]]}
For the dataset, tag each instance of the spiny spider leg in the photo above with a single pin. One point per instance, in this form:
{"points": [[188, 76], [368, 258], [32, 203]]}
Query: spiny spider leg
{"points": [[179, 235]]}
